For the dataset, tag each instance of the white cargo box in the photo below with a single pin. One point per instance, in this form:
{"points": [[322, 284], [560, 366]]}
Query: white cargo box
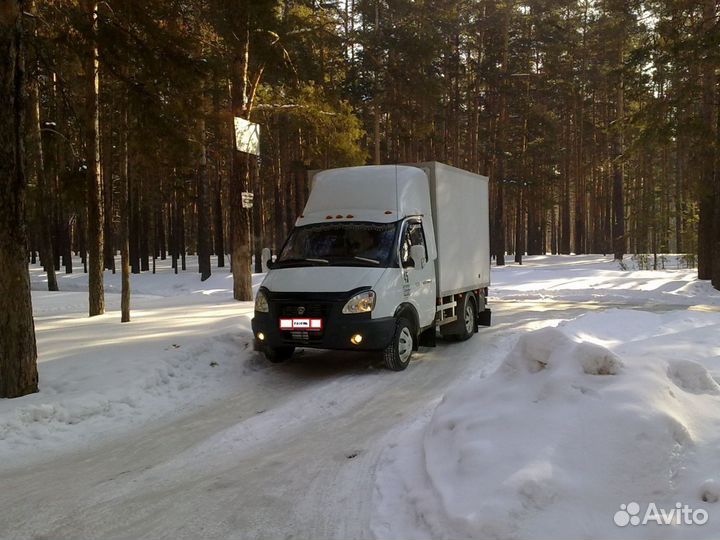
{"points": [[460, 210]]}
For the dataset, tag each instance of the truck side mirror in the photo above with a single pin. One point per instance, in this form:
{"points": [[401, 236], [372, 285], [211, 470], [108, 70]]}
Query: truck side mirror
{"points": [[265, 259], [417, 255]]}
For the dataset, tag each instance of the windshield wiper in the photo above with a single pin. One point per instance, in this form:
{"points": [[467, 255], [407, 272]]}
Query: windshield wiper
{"points": [[302, 260], [374, 261]]}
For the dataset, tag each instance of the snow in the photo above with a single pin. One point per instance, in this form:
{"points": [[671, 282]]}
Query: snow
{"points": [[606, 409], [188, 344], [596, 386], [585, 278]]}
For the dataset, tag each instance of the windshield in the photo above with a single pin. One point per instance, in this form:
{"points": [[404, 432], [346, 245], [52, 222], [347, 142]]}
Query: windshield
{"points": [[340, 244]]}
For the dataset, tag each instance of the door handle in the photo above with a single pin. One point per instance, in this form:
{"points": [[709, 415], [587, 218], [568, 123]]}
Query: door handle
{"points": [[427, 281]]}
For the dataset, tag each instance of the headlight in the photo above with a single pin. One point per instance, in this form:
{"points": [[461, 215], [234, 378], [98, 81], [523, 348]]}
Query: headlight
{"points": [[360, 303], [261, 303]]}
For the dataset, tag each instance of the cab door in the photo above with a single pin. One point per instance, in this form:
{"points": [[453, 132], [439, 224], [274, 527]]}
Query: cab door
{"points": [[418, 280]]}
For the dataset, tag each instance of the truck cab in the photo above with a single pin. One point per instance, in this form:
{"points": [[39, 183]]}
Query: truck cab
{"points": [[359, 270]]}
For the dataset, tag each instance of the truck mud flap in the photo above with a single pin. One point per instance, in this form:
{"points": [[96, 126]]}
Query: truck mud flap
{"points": [[428, 338], [484, 317]]}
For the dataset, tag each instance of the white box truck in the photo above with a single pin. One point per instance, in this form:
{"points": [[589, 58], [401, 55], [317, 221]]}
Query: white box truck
{"points": [[382, 258]]}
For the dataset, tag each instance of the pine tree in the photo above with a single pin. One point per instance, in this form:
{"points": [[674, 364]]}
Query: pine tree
{"points": [[92, 162], [18, 353]]}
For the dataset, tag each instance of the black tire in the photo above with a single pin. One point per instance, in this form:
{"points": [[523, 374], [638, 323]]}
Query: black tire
{"points": [[468, 313], [278, 354], [397, 354]]}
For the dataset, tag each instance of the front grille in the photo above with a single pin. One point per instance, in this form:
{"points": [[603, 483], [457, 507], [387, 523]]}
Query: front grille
{"points": [[309, 310]]}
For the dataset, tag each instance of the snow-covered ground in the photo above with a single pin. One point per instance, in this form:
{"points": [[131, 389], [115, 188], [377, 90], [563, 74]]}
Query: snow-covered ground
{"points": [[188, 344], [597, 278], [595, 387], [610, 408]]}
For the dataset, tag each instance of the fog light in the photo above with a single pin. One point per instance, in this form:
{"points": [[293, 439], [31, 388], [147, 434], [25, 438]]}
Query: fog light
{"points": [[261, 336], [356, 339]]}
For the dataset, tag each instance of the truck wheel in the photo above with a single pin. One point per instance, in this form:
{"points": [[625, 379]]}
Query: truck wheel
{"points": [[397, 354], [469, 317], [278, 354]]}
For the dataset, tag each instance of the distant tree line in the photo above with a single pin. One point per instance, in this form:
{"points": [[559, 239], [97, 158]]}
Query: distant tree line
{"points": [[596, 120]]}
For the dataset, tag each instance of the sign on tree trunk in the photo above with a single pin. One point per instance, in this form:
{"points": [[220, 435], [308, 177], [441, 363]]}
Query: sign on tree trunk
{"points": [[247, 136]]}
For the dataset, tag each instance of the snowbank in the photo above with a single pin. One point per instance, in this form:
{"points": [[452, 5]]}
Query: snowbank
{"points": [[611, 408], [189, 344], [82, 401]]}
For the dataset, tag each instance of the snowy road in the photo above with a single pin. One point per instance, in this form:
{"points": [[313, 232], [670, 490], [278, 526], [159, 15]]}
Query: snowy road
{"points": [[291, 455], [170, 428], [297, 480]]}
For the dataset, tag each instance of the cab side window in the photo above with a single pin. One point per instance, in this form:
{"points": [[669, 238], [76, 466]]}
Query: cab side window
{"points": [[413, 236]]}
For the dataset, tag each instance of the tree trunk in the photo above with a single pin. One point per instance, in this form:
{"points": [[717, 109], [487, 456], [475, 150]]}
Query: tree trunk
{"points": [[564, 236], [107, 182], [580, 206], [203, 209], [218, 199], [124, 209], [715, 244], [519, 227], [707, 232], [376, 134], [106, 154], [134, 217], [18, 352], [36, 174], [618, 207], [239, 216], [219, 221], [144, 230], [376, 105], [172, 226], [181, 245], [257, 217], [92, 161], [65, 232], [679, 196], [501, 143], [162, 217]]}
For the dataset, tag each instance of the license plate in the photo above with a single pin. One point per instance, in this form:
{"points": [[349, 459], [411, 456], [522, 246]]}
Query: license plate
{"points": [[301, 324]]}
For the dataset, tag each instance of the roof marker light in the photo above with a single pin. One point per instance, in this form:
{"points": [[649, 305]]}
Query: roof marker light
{"points": [[388, 212], [328, 217], [339, 216]]}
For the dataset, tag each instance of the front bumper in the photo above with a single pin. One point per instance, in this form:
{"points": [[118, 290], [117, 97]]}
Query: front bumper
{"points": [[337, 330]]}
